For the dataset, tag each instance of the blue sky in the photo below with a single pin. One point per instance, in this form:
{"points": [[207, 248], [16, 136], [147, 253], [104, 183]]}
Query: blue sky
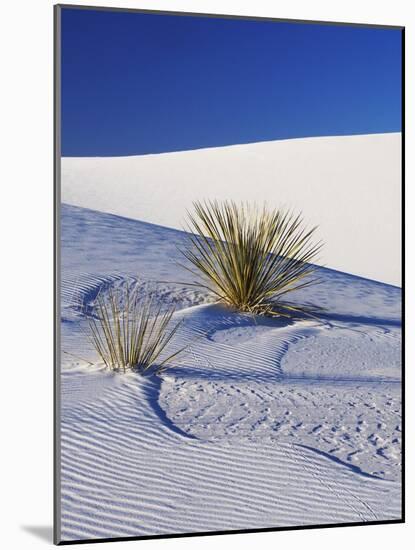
{"points": [[135, 83]]}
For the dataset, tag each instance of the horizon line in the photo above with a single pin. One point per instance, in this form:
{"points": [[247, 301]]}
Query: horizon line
{"points": [[234, 145]]}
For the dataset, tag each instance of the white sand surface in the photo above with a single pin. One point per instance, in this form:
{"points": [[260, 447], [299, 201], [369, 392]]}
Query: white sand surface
{"points": [[263, 423], [350, 186]]}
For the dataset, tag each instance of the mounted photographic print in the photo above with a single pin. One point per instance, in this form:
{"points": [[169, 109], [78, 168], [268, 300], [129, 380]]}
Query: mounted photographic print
{"points": [[228, 274]]}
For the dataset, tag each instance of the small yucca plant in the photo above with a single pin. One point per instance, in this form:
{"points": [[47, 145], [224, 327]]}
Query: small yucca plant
{"points": [[130, 333], [249, 257]]}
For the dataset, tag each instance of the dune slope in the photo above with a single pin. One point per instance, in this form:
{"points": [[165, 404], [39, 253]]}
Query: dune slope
{"points": [[350, 186], [263, 423]]}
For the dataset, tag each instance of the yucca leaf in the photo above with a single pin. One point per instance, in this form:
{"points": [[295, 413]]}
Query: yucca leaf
{"points": [[249, 257], [131, 333]]}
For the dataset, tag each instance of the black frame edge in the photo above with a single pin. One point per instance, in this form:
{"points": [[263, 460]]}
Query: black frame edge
{"points": [[235, 532], [56, 277], [227, 16], [403, 262]]}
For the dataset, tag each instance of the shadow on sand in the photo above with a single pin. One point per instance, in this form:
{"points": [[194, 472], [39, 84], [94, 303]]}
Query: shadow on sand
{"points": [[151, 390], [352, 467]]}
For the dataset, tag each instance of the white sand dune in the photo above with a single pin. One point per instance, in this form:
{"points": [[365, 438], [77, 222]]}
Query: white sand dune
{"points": [[263, 423], [349, 186], [127, 472]]}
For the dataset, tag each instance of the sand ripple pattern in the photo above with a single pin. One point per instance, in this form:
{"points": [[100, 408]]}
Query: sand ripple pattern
{"points": [[154, 456], [126, 471]]}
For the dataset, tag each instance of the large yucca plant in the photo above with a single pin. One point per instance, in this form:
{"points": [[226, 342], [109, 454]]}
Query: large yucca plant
{"points": [[250, 257], [131, 333]]}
